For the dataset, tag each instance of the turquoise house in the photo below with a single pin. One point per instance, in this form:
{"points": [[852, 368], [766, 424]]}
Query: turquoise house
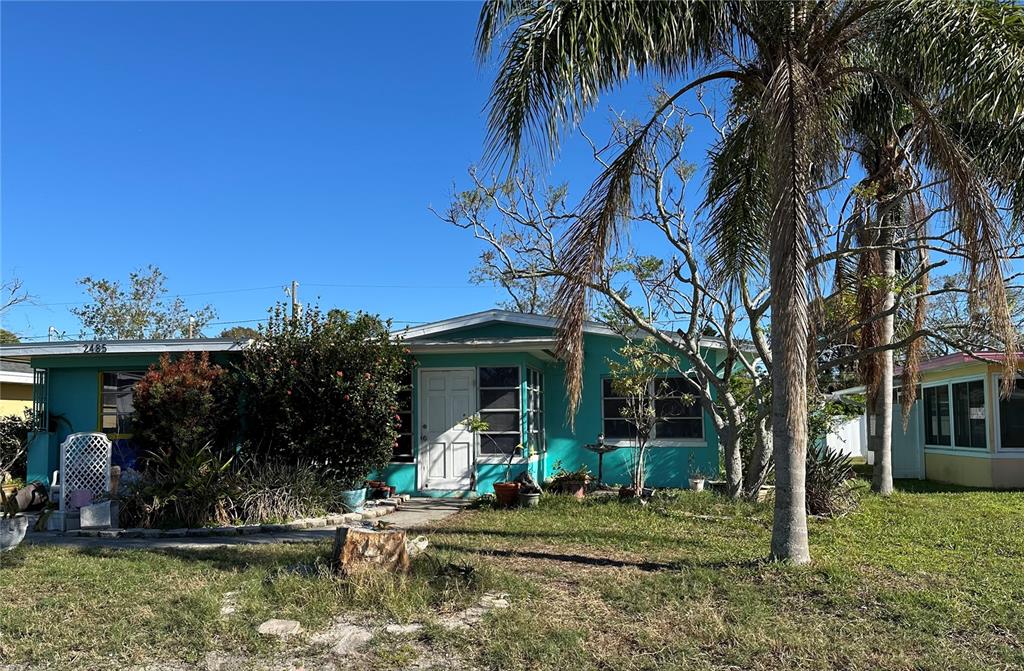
{"points": [[496, 363]]}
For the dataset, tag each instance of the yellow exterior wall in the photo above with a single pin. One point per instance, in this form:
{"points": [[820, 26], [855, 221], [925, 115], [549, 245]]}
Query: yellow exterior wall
{"points": [[15, 398], [954, 469]]}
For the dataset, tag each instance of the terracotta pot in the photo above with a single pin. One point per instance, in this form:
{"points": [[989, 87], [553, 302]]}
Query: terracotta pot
{"points": [[507, 493]]}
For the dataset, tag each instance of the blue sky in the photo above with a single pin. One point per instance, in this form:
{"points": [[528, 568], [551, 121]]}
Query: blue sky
{"points": [[242, 145]]}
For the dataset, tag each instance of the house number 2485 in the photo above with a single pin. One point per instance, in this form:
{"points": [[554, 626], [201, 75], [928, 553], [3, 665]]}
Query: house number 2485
{"points": [[95, 348]]}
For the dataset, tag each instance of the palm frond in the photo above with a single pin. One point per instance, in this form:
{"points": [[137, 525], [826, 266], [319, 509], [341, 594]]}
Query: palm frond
{"points": [[560, 57]]}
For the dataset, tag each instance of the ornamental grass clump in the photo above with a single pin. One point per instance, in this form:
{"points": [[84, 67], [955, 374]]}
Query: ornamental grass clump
{"points": [[322, 390]]}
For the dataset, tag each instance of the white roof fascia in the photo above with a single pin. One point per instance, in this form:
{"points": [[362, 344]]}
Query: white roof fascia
{"points": [[16, 377], [23, 351], [507, 317]]}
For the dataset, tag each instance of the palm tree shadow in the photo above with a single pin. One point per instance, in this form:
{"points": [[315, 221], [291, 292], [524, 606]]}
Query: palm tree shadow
{"points": [[597, 562]]}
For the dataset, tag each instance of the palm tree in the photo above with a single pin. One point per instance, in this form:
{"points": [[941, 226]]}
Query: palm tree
{"points": [[793, 70], [890, 216]]}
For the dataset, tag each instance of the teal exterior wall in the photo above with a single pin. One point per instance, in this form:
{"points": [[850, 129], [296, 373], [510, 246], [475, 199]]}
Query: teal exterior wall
{"points": [[669, 465]]}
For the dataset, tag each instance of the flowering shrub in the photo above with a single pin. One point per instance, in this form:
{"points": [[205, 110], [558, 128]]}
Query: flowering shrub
{"points": [[322, 390], [182, 405]]}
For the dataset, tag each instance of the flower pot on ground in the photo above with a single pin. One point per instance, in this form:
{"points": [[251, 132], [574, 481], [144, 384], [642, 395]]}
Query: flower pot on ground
{"points": [[353, 500], [529, 499], [506, 493], [12, 531], [697, 484], [626, 492], [575, 483]]}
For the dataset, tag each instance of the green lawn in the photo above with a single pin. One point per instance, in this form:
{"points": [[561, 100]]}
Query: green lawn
{"points": [[930, 579]]}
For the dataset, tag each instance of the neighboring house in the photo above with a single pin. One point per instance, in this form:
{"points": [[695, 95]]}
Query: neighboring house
{"points": [[500, 364], [15, 388], [960, 430]]}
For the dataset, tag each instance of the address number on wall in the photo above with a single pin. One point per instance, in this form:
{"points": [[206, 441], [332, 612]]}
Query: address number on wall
{"points": [[94, 348]]}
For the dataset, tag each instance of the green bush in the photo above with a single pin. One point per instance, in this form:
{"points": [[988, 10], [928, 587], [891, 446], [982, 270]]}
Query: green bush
{"points": [[323, 390], [206, 490], [829, 482], [14, 432], [193, 488], [277, 492], [182, 407]]}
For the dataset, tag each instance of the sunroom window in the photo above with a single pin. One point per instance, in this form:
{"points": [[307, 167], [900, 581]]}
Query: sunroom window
{"points": [[499, 398], [936, 416], [1011, 418], [969, 413]]}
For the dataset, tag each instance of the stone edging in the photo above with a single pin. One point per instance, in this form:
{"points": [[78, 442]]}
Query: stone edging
{"points": [[375, 508]]}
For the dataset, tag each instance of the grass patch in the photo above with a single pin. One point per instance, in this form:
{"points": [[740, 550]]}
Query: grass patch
{"points": [[928, 579]]}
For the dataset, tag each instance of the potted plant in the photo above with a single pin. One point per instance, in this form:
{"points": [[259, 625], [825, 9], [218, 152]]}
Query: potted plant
{"points": [[506, 492], [353, 497], [529, 490], [574, 482], [697, 476]]}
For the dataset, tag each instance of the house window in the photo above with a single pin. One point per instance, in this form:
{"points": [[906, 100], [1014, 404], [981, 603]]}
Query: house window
{"points": [[116, 408], [403, 451], [535, 409], [936, 416], [969, 413], [678, 417], [499, 398], [1011, 418]]}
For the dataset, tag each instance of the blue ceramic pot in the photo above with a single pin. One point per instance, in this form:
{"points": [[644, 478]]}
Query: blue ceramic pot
{"points": [[353, 500]]}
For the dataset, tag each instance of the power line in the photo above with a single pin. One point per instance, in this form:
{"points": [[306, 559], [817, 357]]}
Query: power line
{"points": [[408, 322], [285, 286]]}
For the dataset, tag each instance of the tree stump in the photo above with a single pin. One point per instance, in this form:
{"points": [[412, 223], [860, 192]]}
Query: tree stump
{"points": [[356, 548]]}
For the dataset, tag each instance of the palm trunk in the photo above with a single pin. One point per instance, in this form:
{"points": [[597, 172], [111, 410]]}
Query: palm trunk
{"points": [[880, 422], [789, 413], [787, 258]]}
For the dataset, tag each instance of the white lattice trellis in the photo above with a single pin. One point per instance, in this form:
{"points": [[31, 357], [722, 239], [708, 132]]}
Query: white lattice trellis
{"points": [[84, 464]]}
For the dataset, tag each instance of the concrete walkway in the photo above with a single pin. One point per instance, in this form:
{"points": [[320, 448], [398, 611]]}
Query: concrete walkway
{"points": [[415, 514]]}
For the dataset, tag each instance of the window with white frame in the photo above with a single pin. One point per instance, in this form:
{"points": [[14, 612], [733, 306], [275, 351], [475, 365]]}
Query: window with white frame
{"points": [[535, 409], [969, 414], [499, 397], [680, 414], [1011, 418]]}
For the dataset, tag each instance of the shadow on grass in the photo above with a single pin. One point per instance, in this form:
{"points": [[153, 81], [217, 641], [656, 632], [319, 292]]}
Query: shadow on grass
{"points": [[230, 559], [598, 562]]}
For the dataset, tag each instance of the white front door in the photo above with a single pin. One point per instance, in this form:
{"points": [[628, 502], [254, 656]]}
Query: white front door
{"points": [[447, 397]]}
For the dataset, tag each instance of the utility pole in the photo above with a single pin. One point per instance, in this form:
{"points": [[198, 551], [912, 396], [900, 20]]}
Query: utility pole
{"points": [[191, 326], [296, 308]]}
